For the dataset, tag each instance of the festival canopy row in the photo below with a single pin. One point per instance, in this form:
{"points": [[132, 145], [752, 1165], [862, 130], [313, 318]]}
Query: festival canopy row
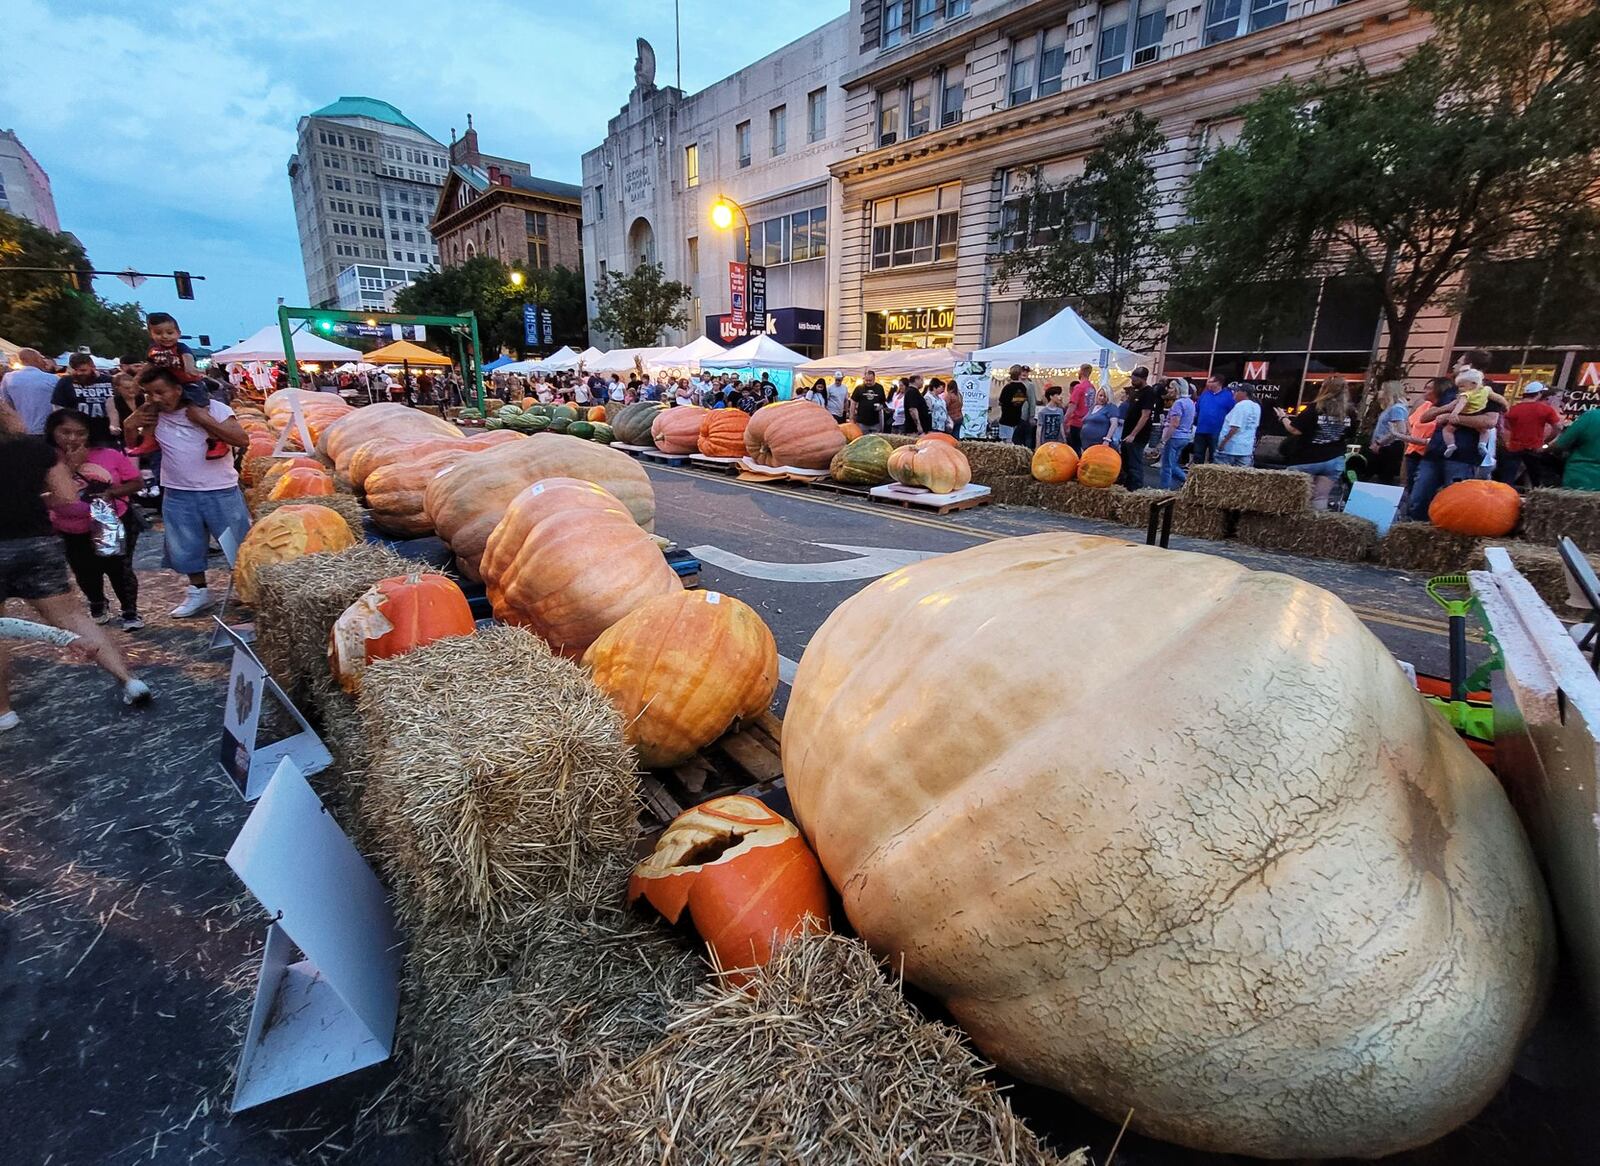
{"points": [[1064, 342], [900, 362], [267, 345]]}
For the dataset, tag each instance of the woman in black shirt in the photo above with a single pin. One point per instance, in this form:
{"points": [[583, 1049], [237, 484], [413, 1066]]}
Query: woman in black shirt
{"points": [[1321, 434]]}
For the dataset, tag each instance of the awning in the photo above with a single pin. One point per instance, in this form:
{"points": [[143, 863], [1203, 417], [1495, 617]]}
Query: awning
{"points": [[758, 352], [404, 352], [267, 344], [1064, 341]]}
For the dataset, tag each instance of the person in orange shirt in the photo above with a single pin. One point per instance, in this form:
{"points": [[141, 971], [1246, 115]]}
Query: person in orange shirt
{"points": [[1418, 432]]}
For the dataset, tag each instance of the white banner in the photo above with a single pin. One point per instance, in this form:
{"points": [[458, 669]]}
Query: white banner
{"points": [[972, 381]]}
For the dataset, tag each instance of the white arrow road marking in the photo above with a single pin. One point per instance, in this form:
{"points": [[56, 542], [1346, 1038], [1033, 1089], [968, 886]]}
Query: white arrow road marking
{"points": [[869, 563], [786, 670]]}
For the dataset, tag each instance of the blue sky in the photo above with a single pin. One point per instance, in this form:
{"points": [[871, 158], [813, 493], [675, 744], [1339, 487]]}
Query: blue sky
{"points": [[166, 128]]}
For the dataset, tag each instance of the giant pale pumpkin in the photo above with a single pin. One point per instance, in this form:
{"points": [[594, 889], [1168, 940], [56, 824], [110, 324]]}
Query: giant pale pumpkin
{"points": [[722, 432], [287, 533], [939, 438], [864, 462], [677, 430], [1099, 466], [683, 669], [301, 482], [567, 561], [466, 501], [800, 434], [934, 465], [1304, 923], [381, 452], [340, 439], [395, 491], [1476, 507], [396, 615], [1055, 461], [633, 423]]}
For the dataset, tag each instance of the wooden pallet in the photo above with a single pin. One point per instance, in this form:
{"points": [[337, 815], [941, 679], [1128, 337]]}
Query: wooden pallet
{"points": [[935, 507], [748, 761], [663, 459], [839, 487], [727, 466]]}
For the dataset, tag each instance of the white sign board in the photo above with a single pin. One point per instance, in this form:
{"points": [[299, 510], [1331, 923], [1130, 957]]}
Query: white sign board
{"points": [[972, 382], [248, 762], [334, 1011], [1377, 504]]}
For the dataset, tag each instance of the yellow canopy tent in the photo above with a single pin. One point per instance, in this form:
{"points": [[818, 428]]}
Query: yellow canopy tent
{"points": [[405, 352]]}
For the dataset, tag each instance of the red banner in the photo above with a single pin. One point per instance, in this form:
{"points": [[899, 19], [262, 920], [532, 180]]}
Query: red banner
{"points": [[738, 283]]}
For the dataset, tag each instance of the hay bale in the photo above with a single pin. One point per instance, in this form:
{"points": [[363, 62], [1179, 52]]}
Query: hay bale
{"points": [[1081, 501], [298, 603], [499, 779], [1251, 490], [991, 460], [1424, 549], [1191, 520], [1318, 534], [1133, 506], [346, 506], [899, 439], [1548, 515], [818, 1059], [1016, 490]]}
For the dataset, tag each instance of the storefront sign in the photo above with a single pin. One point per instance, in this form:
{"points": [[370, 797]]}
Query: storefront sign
{"points": [[917, 321], [757, 276], [738, 281], [1256, 370], [1584, 392], [788, 326]]}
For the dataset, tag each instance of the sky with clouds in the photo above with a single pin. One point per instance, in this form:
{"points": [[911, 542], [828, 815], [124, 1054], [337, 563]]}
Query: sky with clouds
{"points": [[166, 128]]}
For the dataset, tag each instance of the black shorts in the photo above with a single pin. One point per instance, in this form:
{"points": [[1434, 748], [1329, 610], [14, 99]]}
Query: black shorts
{"points": [[32, 568]]}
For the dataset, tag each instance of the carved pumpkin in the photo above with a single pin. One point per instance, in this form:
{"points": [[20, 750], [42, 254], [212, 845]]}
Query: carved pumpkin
{"points": [[287, 533], [938, 467], [633, 423], [683, 669], [397, 615], [744, 875], [567, 561], [1099, 466], [1142, 920], [466, 501], [395, 491], [340, 439], [1055, 461], [596, 413], [801, 434], [302, 482], [722, 432], [677, 430], [850, 430], [1475, 507], [864, 462]]}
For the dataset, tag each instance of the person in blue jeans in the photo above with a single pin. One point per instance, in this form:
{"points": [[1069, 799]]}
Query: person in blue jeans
{"points": [[1322, 430], [1177, 431], [1436, 470], [1210, 407]]}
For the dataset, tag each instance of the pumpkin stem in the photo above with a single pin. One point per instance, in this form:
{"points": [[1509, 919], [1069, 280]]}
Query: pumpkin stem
{"points": [[414, 578]]}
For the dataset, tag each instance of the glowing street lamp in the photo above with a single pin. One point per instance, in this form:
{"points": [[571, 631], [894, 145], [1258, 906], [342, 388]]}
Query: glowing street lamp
{"points": [[722, 212], [516, 279]]}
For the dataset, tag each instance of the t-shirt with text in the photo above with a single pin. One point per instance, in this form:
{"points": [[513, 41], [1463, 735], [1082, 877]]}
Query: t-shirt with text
{"points": [[92, 400]]}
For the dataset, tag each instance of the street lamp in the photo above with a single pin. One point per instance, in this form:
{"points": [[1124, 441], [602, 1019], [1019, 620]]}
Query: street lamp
{"points": [[516, 279], [722, 212]]}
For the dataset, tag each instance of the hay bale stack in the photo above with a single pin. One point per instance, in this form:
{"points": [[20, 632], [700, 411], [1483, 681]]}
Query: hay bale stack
{"points": [[818, 1059], [1549, 515], [899, 439], [1133, 506], [1081, 501], [299, 602], [1424, 549], [1192, 520], [991, 460], [1317, 534], [344, 504], [1250, 490], [1016, 490], [251, 472], [499, 780]]}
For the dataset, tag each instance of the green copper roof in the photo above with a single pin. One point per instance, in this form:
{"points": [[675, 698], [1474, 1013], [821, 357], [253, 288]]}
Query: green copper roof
{"points": [[369, 107]]}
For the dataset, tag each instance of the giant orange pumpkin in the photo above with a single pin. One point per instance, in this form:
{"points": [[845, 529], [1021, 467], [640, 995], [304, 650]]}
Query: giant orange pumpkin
{"points": [[943, 438], [397, 615], [597, 413], [744, 875], [287, 533], [1055, 461], [567, 561], [722, 432], [935, 466], [301, 482], [395, 491], [677, 430], [371, 456], [1100, 466], [851, 431], [340, 438], [1476, 507], [683, 669], [262, 444], [800, 434], [281, 466]]}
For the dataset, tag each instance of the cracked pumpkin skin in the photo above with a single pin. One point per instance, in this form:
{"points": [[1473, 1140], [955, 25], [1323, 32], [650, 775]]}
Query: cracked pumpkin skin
{"points": [[1234, 875]]}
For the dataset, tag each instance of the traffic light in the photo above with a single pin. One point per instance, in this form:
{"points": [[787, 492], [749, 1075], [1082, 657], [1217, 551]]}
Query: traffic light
{"points": [[184, 284], [324, 326], [205, 341]]}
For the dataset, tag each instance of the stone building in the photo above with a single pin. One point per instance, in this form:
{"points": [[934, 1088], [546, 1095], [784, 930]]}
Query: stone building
{"points": [[495, 206], [24, 186]]}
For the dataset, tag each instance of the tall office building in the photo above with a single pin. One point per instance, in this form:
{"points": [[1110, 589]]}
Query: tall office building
{"points": [[366, 182], [24, 186]]}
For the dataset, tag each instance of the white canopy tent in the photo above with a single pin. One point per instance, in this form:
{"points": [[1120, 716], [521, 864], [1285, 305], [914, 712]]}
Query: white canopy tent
{"points": [[758, 352], [625, 359], [692, 356], [589, 355], [899, 362], [561, 360], [524, 367], [267, 344], [1064, 341], [102, 363]]}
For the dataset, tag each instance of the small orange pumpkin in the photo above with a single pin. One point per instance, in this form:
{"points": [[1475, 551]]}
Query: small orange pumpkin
{"points": [[1055, 461], [1100, 466], [597, 413], [941, 437], [934, 465], [722, 433], [287, 533], [851, 431], [1475, 507], [302, 483], [397, 615], [744, 874]]}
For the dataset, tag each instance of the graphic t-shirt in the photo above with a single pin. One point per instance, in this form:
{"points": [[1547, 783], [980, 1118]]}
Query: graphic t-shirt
{"points": [[173, 358], [89, 399], [869, 401]]}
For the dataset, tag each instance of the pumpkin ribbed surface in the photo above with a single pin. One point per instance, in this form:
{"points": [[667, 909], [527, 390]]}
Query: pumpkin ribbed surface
{"points": [[301, 482], [395, 491], [285, 534], [677, 430], [340, 439], [1099, 467], [864, 462], [396, 615], [722, 432], [1054, 461], [933, 465], [1476, 507], [632, 424], [801, 434]]}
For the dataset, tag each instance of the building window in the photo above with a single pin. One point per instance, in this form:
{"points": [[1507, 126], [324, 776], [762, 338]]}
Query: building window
{"points": [[599, 201], [1052, 60], [694, 254], [778, 129], [1022, 70], [816, 115], [1112, 56], [915, 228], [741, 139], [955, 8], [538, 254], [954, 95], [536, 224], [894, 22], [924, 13], [1226, 19], [792, 238], [920, 119], [1147, 34], [691, 165], [889, 103]]}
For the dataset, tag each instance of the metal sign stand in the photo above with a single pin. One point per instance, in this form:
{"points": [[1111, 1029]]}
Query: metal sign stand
{"points": [[244, 631], [248, 763]]}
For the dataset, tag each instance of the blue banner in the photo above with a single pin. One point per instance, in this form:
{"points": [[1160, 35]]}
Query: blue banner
{"points": [[530, 324]]}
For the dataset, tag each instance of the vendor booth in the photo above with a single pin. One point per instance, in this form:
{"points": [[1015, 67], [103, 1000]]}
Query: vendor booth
{"points": [[760, 354], [267, 345]]}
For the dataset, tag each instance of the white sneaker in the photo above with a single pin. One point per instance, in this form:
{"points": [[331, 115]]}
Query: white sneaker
{"points": [[195, 600], [136, 692], [9, 721]]}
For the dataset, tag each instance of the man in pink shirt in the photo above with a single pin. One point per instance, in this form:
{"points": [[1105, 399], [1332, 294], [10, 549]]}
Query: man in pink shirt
{"points": [[1079, 398]]}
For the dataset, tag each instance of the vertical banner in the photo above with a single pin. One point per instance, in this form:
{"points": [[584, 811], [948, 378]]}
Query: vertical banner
{"points": [[758, 299], [972, 382], [737, 284], [547, 327], [530, 324]]}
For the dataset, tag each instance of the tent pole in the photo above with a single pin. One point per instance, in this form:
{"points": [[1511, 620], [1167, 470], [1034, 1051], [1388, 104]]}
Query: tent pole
{"points": [[288, 347]]}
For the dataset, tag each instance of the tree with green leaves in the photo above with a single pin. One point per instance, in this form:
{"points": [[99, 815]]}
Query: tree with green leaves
{"points": [[51, 311], [637, 308], [1483, 145], [1095, 240], [484, 285]]}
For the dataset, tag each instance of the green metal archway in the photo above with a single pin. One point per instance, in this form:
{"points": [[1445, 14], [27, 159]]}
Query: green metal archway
{"points": [[463, 327]]}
